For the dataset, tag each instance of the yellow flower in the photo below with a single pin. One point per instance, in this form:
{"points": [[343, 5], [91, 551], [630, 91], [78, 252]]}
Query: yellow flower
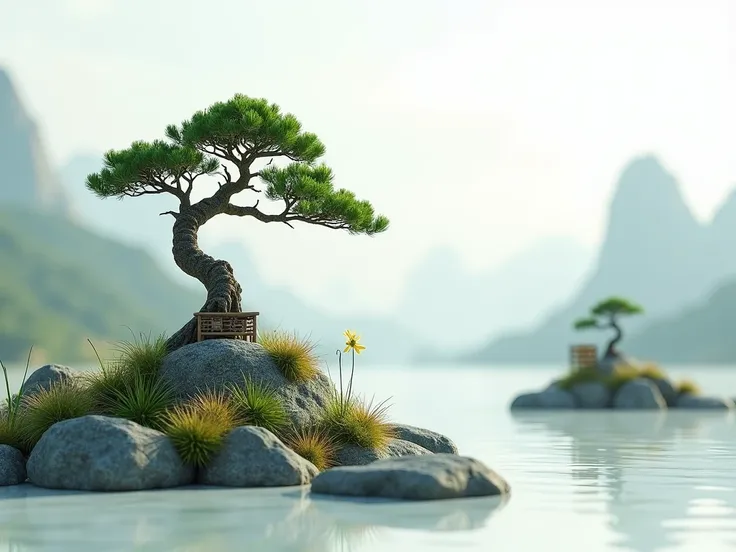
{"points": [[351, 342]]}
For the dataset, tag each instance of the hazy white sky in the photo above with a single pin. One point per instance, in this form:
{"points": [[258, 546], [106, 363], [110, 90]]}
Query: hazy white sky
{"points": [[484, 124]]}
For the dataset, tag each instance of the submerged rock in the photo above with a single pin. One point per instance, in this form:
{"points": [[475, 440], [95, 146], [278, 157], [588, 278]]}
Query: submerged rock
{"points": [[254, 457], [641, 394], [591, 394], [704, 403], [97, 453], [354, 455], [12, 466], [551, 398], [426, 477], [433, 442], [215, 364]]}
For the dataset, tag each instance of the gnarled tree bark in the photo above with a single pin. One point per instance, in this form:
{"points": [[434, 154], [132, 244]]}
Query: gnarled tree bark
{"points": [[611, 348], [223, 291]]}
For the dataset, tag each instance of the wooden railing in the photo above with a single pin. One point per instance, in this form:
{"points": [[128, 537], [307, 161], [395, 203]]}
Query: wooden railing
{"points": [[583, 356], [211, 325]]}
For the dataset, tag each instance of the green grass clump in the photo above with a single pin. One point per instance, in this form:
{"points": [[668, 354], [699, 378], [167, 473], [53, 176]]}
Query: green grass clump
{"points": [[143, 356], [61, 401], [195, 436], [575, 377], [217, 406], [314, 445], [143, 401], [622, 373], [355, 421], [260, 406], [651, 371], [131, 378], [293, 355], [11, 434], [198, 428], [11, 414], [687, 387]]}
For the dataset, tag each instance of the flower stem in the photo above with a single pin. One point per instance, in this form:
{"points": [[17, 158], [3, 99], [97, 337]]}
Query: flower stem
{"points": [[339, 364], [352, 372]]}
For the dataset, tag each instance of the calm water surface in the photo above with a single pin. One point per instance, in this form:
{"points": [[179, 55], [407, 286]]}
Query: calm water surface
{"points": [[585, 482]]}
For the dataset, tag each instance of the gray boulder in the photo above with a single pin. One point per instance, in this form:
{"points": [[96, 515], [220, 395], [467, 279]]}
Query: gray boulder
{"points": [[12, 466], [426, 477], [254, 457], [552, 398], [640, 394], [433, 442], [97, 453], [354, 455], [215, 364], [668, 391], [608, 364], [704, 403], [591, 394], [46, 376]]}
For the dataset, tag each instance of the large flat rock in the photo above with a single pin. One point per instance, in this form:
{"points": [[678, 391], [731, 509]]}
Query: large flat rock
{"points": [[254, 457], [97, 453], [425, 477], [217, 364]]}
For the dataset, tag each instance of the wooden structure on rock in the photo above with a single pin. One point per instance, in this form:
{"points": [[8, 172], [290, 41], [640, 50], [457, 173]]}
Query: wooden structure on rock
{"points": [[238, 325], [583, 356]]}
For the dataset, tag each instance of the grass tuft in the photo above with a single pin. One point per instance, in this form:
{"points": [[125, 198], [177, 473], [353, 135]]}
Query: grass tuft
{"points": [[11, 434], [143, 401], [260, 406], [142, 356], [357, 422], [195, 436], [11, 413], [582, 375], [687, 387], [198, 428], [217, 406], [314, 445], [622, 373], [135, 370], [651, 371], [44, 408], [294, 355]]}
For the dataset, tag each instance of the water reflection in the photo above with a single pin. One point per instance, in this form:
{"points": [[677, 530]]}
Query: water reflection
{"points": [[208, 520], [661, 476]]}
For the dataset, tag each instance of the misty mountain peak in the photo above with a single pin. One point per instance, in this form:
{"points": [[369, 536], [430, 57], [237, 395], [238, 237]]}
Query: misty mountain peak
{"points": [[646, 186], [27, 177], [724, 218]]}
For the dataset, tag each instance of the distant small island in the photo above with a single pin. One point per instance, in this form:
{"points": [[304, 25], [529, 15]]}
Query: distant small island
{"points": [[615, 380]]}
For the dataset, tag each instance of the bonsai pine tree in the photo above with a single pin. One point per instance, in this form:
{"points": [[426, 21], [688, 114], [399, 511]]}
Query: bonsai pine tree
{"points": [[236, 141], [605, 315]]}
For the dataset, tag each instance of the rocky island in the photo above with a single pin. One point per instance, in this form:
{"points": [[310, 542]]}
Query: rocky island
{"points": [[617, 381], [234, 407]]}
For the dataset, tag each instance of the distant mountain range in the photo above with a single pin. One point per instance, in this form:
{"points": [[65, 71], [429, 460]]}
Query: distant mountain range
{"points": [[654, 252], [657, 254], [61, 284]]}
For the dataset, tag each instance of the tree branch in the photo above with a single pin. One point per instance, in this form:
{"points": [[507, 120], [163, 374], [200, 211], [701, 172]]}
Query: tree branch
{"points": [[172, 213], [284, 217]]}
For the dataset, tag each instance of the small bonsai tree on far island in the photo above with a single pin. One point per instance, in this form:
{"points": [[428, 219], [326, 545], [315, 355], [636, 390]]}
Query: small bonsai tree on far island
{"points": [[605, 315], [236, 140]]}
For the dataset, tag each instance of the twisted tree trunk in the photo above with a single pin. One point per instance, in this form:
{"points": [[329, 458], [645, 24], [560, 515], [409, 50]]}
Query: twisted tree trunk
{"points": [[223, 291], [611, 348]]}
